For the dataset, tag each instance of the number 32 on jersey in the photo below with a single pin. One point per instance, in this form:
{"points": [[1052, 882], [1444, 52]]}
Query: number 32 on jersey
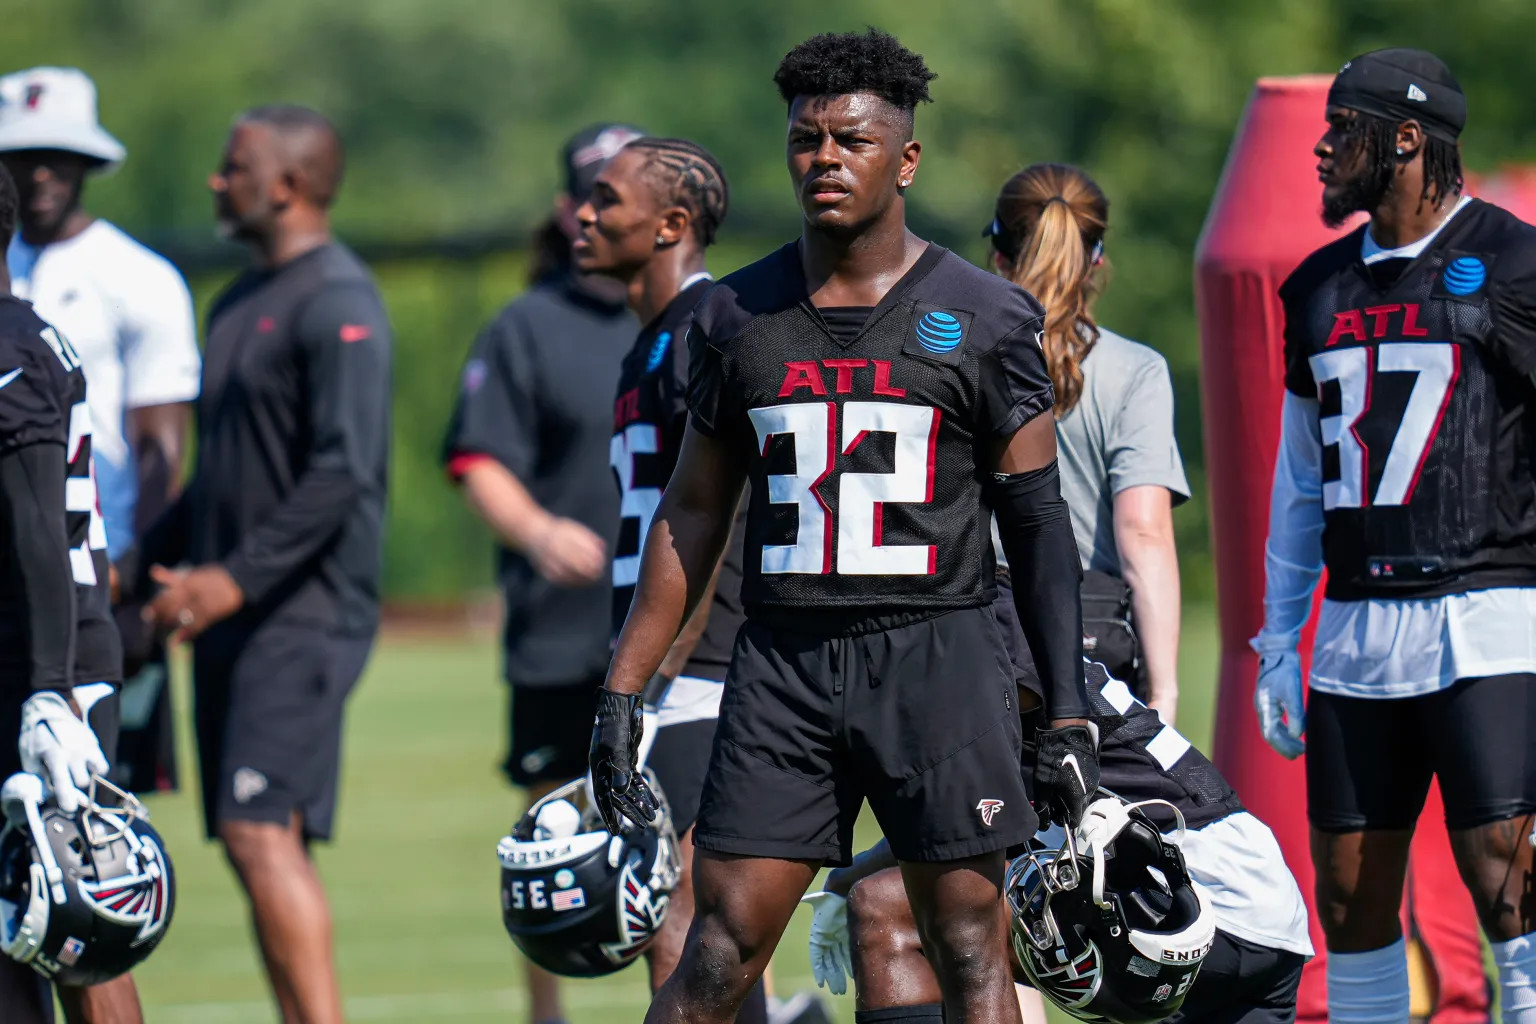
{"points": [[1436, 366], [819, 439]]}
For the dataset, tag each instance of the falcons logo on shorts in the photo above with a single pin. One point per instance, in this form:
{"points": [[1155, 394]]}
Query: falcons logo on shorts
{"points": [[134, 899], [988, 810]]}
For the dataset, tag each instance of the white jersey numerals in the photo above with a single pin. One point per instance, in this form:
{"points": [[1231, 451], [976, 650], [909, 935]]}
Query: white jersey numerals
{"points": [[80, 496], [634, 502], [1436, 366], [861, 497]]}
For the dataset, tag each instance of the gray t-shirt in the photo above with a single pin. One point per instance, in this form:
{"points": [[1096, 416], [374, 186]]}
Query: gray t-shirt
{"points": [[1118, 435]]}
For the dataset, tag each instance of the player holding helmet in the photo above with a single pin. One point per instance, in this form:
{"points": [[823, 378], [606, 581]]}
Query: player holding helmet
{"points": [[60, 658], [869, 384], [1405, 469]]}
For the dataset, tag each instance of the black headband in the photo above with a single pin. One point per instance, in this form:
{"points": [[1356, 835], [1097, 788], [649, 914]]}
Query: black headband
{"points": [[1403, 85]]}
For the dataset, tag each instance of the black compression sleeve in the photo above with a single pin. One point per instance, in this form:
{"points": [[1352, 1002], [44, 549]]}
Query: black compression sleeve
{"points": [[32, 506], [1036, 531]]}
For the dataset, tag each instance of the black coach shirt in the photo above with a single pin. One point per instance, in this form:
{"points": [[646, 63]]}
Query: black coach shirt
{"points": [[649, 419], [292, 445], [1422, 371], [866, 449], [45, 436], [537, 396]]}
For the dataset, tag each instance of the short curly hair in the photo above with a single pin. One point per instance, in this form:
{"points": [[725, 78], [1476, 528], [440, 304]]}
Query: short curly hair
{"points": [[835, 64]]}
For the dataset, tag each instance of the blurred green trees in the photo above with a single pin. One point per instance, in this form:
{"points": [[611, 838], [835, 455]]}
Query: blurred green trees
{"points": [[454, 110]]}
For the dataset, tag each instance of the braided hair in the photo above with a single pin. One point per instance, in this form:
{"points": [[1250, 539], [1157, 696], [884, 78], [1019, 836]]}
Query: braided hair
{"points": [[686, 174], [1376, 138]]}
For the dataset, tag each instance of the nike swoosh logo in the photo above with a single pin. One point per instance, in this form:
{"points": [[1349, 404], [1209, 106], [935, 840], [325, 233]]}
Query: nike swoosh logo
{"points": [[10, 376], [1070, 761]]}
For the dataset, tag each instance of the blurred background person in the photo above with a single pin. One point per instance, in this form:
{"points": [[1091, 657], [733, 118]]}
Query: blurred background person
{"points": [[1121, 472], [128, 314], [528, 445], [282, 524]]}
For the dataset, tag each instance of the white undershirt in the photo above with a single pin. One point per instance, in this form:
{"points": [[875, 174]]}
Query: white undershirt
{"points": [[1381, 647]]}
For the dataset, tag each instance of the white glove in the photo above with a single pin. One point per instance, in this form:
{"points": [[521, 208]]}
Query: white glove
{"points": [[1279, 701], [831, 959], [59, 748]]}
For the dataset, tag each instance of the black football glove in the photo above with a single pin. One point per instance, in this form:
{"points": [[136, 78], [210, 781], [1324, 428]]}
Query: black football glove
{"points": [[1066, 773], [617, 784]]}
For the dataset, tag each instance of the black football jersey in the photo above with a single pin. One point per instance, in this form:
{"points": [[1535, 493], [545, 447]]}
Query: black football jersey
{"points": [[1422, 371], [42, 401], [866, 455], [649, 418]]}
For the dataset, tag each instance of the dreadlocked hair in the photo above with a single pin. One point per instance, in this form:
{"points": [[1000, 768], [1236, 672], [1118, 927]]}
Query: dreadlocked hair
{"points": [[688, 175], [836, 64], [1377, 139], [1050, 222]]}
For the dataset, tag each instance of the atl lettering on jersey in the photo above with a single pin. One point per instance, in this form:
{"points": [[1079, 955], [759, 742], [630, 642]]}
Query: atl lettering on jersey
{"points": [[1420, 370]]}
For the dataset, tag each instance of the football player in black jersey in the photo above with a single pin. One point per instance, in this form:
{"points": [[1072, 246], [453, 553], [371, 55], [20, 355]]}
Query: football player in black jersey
{"points": [[1405, 467], [59, 649], [654, 209], [882, 396]]}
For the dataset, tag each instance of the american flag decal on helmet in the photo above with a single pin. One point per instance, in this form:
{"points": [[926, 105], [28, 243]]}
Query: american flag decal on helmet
{"points": [[134, 899]]}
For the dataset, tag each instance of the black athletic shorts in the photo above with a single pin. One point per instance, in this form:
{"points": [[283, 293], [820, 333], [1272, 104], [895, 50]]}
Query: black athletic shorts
{"points": [[269, 708], [1241, 982], [1369, 762], [680, 760], [550, 731], [920, 719]]}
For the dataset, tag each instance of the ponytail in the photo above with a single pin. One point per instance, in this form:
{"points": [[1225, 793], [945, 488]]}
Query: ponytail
{"points": [[1050, 229]]}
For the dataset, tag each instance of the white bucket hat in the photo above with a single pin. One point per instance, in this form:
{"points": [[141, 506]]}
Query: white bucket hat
{"points": [[54, 108]]}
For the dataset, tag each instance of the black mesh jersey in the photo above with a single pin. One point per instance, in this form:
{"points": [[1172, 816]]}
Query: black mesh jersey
{"points": [[648, 422], [42, 401], [1422, 371], [1140, 758], [866, 454]]}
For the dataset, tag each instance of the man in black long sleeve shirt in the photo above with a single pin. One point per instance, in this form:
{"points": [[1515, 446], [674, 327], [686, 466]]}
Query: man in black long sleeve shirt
{"points": [[282, 523], [59, 649]]}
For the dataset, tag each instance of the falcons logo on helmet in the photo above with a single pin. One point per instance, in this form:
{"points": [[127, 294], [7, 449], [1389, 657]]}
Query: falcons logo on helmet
{"points": [[138, 898], [1075, 982]]}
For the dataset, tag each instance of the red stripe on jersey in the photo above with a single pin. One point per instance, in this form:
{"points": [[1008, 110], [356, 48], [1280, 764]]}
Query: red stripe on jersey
{"points": [[1434, 432], [827, 535], [933, 447], [1354, 428]]}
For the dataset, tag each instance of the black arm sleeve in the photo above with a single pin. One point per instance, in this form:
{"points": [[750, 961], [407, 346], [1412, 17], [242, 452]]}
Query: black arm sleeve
{"points": [[32, 494], [343, 340], [1036, 531]]}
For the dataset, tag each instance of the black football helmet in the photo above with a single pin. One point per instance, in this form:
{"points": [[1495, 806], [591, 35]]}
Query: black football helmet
{"points": [[84, 897], [576, 900], [1110, 927]]}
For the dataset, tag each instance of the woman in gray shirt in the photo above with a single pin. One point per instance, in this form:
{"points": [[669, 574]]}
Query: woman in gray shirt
{"points": [[1120, 467]]}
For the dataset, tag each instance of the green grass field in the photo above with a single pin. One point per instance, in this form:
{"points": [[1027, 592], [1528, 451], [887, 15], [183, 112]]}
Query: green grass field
{"points": [[413, 876]]}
